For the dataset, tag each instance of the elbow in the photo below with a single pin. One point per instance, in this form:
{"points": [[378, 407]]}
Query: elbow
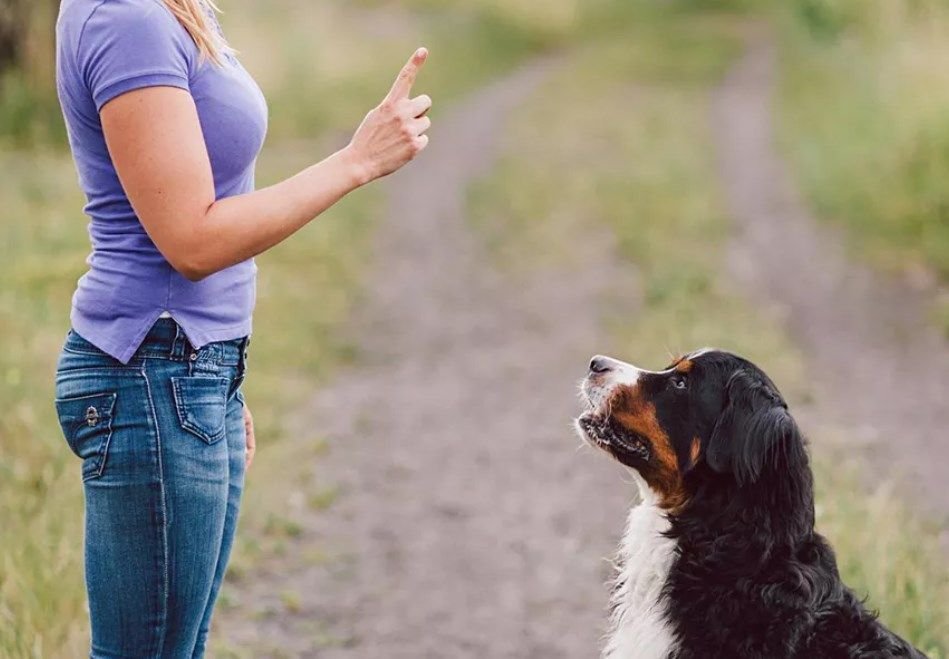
{"points": [[195, 257], [192, 252], [191, 268], [193, 274]]}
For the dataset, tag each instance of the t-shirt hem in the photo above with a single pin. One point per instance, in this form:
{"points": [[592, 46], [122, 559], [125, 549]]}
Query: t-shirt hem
{"points": [[200, 339], [119, 351], [135, 81], [124, 352]]}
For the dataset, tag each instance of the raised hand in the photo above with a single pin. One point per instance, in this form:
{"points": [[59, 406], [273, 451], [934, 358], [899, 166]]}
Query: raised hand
{"points": [[393, 133]]}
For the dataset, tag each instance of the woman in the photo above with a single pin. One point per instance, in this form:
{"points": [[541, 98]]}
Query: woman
{"points": [[165, 126]]}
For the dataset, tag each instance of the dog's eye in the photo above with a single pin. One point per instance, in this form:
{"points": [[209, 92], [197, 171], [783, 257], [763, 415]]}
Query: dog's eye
{"points": [[679, 382]]}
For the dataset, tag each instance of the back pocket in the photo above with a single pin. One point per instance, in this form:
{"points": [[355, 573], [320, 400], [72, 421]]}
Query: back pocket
{"points": [[202, 405], [86, 422]]}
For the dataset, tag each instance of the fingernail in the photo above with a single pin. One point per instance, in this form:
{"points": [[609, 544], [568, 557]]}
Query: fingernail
{"points": [[421, 52]]}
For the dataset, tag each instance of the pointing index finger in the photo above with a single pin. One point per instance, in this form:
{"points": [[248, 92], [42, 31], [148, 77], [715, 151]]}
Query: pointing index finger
{"points": [[403, 84]]}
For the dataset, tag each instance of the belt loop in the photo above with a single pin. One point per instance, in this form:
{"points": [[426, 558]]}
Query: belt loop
{"points": [[180, 347], [242, 358]]}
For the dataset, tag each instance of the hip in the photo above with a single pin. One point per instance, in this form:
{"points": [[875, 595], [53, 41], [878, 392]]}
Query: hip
{"points": [[168, 400]]}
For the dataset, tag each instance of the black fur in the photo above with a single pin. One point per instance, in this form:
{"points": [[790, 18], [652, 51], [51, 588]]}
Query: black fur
{"points": [[752, 578]]}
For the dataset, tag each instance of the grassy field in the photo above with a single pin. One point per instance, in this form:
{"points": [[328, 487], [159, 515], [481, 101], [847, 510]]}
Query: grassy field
{"points": [[323, 65], [863, 104], [648, 174]]}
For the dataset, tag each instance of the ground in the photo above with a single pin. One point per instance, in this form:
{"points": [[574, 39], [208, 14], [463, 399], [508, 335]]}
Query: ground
{"points": [[463, 527], [455, 513]]}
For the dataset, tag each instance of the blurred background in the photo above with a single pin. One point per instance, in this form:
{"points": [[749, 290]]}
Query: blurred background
{"points": [[621, 152]]}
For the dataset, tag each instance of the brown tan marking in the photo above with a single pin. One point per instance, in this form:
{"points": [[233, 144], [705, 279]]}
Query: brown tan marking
{"points": [[662, 473], [694, 451]]}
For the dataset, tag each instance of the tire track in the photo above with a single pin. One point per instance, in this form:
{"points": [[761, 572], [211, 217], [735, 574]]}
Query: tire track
{"points": [[879, 370]]}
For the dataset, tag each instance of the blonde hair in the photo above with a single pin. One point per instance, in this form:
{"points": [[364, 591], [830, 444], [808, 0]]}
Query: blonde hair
{"points": [[196, 16]]}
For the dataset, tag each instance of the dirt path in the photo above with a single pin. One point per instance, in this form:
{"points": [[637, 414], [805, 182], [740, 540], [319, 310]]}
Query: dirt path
{"points": [[468, 524], [880, 373]]}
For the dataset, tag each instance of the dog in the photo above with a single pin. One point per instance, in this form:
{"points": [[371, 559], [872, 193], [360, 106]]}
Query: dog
{"points": [[720, 558]]}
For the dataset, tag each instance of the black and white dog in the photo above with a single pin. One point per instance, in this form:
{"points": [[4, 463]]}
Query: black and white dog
{"points": [[720, 559]]}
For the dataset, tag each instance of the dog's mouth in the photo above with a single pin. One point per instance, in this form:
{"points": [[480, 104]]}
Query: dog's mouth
{"points": [[597, 426], [599, 429]]}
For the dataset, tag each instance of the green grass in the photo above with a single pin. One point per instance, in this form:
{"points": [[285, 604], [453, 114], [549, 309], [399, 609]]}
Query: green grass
{"points": [[327, 64], [29, 114], [887, 552], [42, 256], [863, 101], [643, 166]]}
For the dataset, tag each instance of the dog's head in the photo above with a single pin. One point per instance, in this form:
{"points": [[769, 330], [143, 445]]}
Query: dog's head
{"points": [[710, 412]]}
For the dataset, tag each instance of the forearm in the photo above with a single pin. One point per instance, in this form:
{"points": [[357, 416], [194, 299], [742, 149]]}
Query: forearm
{"points": [[237, 228], [155, 140]]}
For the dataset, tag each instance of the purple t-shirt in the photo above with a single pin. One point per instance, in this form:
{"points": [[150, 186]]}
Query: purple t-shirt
{"points": [[106, 48]]}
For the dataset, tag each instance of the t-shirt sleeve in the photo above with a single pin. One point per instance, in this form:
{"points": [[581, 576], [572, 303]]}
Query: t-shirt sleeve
{"points": [[131, 44]]}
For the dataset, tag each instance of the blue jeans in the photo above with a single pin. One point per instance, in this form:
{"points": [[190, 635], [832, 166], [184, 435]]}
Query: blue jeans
{"points": [[162, 444]]}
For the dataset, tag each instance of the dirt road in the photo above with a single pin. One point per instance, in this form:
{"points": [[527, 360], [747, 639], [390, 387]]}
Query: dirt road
{"points": [[470, 523], [880, 372]]}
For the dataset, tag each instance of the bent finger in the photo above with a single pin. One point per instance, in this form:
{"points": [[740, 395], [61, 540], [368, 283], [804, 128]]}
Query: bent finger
{"points": [[420, 125], [419, 105], [251, 450]]}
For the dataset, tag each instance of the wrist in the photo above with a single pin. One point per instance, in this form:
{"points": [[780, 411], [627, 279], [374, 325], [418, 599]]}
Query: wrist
{"points": [[357, 169]]}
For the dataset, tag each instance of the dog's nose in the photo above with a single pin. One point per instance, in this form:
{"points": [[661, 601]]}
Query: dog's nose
{"points": [[600, 364]]}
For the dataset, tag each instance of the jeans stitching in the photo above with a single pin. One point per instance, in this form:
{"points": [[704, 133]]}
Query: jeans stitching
{"points": [[131, 370], [104, 456], [103, 451], [78, 351], [163, 522], [181, 405], [220, 361]]}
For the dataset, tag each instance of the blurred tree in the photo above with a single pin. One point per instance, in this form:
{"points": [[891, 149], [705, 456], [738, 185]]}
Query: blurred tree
{"points": [[25, 27], [11, 18], [28, 109]]}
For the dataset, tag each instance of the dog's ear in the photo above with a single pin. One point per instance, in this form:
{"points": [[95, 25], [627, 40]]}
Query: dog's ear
{"points": [[754, 431]]}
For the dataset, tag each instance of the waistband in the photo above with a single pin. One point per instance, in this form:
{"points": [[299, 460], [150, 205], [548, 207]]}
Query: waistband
{"points": [[167, 340]]}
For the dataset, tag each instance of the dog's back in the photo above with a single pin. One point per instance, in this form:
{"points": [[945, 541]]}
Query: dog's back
{"points": [[759, 606]]}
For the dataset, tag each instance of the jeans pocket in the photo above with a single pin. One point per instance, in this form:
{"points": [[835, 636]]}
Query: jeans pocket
{"points": [[201, 403], [86, 422]]}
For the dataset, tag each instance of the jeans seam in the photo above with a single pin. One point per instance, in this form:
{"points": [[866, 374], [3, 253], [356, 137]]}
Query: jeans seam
{"points": [[132, 369], [181, 405], [79, 351], [163, 514], [105, 451]]}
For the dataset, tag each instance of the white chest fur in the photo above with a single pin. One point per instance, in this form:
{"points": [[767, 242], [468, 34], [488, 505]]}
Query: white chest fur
{"points": [[639, 628]]}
